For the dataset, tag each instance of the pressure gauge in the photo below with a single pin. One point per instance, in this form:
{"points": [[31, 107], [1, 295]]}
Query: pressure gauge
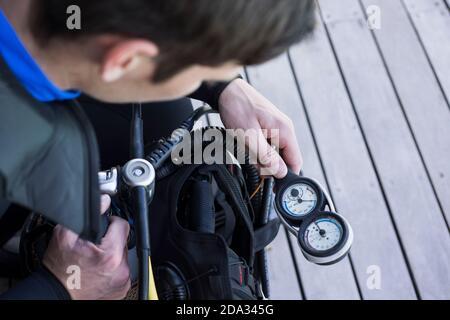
{"points": [[298, 197], [325, 238]]}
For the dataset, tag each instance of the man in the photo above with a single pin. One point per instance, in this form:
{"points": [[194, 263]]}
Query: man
{"points": [[146, 51]]}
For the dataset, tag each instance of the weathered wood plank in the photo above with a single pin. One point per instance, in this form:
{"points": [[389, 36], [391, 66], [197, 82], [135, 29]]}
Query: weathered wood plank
{"points": [[352, 178], [281, 267], [282, 270], [283, 278], [419, 92], [403, 177], [276, 81], [432, 21]]}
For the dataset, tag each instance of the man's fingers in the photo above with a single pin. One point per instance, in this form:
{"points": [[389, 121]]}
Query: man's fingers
{"points": [[117, 236], [286, 140], [69, 237], [270, 162], [65, 236], [290, 152], [293, 159], [105, 202]]}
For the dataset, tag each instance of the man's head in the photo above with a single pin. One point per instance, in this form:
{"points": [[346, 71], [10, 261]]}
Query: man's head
{"points": [[142, 50]]}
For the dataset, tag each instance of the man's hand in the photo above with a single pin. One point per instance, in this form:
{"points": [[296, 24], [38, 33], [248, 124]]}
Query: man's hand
{"points": [[242, 107], [104, 270]]}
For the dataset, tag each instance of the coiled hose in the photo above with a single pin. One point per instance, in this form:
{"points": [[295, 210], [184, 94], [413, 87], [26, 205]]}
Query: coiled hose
{"points": [[165, 146], [158, 157]]}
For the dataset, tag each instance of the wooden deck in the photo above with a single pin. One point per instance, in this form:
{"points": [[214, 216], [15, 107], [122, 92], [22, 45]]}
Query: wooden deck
{"points": [[373, 121], [372, 118]]}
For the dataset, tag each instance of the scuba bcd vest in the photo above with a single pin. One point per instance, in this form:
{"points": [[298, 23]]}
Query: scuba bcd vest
{"points": [[48, 158], [209, 226]]}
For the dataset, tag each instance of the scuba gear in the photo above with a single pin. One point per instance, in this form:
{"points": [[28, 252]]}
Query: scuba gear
{"points": [[212, 213], [138, 178], [209, 223], [298, 199], [324, 237], [201, 219]]}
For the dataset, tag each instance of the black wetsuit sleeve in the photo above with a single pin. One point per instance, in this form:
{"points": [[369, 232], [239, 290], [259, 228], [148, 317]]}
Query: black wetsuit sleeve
{"points": [[210, 92], [40, 285]]}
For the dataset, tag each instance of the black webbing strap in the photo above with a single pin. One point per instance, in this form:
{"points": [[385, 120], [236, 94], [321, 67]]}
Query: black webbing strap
{"points": [[12, 221], [266, 234]]}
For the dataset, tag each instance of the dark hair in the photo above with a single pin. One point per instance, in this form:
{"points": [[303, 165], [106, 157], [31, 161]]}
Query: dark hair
{"points": [[187, 32]]}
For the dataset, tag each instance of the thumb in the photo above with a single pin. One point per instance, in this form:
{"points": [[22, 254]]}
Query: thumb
{"points": [[270, 161], [105, 202]]}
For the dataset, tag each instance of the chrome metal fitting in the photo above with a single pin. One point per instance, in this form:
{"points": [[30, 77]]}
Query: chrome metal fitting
{"points": [[108, 181], [138, 173]]}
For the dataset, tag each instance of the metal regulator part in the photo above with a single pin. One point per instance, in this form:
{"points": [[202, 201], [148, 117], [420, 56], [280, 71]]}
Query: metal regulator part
{"points": [[139, 173]]}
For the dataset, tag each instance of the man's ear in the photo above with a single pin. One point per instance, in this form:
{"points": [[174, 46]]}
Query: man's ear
{"points": [[124, 56]]}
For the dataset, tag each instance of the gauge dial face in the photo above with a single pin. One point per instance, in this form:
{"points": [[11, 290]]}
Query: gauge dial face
{"points": [[323, 234], [299, 199]]}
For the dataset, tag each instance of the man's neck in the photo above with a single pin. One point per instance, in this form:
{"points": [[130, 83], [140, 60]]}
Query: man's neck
{"points": [[54, 58]]}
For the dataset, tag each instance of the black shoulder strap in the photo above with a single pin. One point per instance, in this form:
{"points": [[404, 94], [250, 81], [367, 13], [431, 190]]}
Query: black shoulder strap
{"points": [[49, 158], [265, 234], [227, 219], [11, 221]]}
